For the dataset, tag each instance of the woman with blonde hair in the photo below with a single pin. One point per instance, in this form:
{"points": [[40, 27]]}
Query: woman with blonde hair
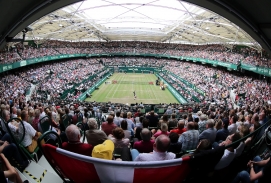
{"points": [[31, 116]]}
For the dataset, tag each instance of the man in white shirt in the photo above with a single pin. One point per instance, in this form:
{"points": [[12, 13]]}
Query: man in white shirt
{"points": [[31, 135], [233, 127], [160, 153], [231, 152]]}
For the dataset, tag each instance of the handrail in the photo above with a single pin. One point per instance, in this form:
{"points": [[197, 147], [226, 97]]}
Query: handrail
{"points": [[47, 133]]}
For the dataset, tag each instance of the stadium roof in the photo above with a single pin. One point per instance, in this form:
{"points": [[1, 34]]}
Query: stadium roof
{"points": [[153, 20], [138, 20]]}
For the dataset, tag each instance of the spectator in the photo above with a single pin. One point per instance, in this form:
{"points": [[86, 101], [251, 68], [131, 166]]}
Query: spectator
{"points": [[190, 138], [180, 128], [74, 144], [175, 146], [232, 127], [9, 172], [93, 135], [164, 130], [118, 138], [223, 133], [146, 144], [127, 133], [153, 119], [160, 148], [108, 126], [31, 135], [209, 133]]}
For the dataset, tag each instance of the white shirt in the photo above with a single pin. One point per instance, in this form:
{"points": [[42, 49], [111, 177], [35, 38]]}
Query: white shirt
{"points": [[30, 132], [229, 156], [155, 156]]}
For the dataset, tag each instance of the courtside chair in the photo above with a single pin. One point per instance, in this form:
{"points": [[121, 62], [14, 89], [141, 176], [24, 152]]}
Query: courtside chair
{"points": [[18, 141]]}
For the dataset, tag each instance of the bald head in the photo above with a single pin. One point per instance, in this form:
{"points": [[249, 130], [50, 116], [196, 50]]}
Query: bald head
{"points": [[145, 134], [181, 124], [73, 133], [162, 143]]}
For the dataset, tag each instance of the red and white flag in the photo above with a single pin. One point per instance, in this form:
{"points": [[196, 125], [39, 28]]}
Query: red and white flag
{"points": [[85, 169]]}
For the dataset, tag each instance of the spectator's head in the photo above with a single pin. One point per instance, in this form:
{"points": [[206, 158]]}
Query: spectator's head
{"points": [[124, 115], [164, 127], [37, 113], [233, 119], [165, 117], [124, 124], [152, 113], [210, 123], [109, 119], [92, 124], [225, 123], [173, 137], [67, 111], [19, 113], [118, 114], [104, 150], [129, 115], [31, 113], [145, 123], [118, 133], [145, 134], [6, 115], [173, 116], [138, 133], [24, 115], [14, 110], [190, 126], [181, 124], [233, 138], [243, 130], [203, 117], [73, 133], [162, 143]]}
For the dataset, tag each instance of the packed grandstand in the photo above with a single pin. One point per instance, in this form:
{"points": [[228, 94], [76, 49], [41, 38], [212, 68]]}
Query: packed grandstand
{"points": [[227, 104]]}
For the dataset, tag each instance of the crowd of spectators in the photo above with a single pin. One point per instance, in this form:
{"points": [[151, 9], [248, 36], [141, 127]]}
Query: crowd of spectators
{"points": [[212, 52], [212, 123], [215, 84]]}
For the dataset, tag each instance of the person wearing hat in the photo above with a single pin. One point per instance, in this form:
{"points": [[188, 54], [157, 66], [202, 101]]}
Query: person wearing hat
{"points": [[104, 150]]}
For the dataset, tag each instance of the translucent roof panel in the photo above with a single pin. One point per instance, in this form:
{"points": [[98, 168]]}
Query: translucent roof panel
{"points": [[145, 20]]}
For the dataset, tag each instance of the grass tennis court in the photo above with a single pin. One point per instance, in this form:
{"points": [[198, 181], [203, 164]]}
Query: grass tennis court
{"points": [[123, 93]]}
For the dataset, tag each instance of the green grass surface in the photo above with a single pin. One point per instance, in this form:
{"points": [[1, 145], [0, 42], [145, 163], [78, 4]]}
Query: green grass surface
{"points": [[123, 93]]}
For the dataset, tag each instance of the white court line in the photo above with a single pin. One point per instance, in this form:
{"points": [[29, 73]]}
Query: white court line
{"points": [[112, 88], [117, 87]]}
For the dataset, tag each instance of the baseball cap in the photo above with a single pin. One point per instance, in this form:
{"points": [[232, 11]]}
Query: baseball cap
{"points": [[104, 150]]}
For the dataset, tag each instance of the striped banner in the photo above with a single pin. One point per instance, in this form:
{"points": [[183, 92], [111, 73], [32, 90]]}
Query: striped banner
{"points": [[85, 169]]}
